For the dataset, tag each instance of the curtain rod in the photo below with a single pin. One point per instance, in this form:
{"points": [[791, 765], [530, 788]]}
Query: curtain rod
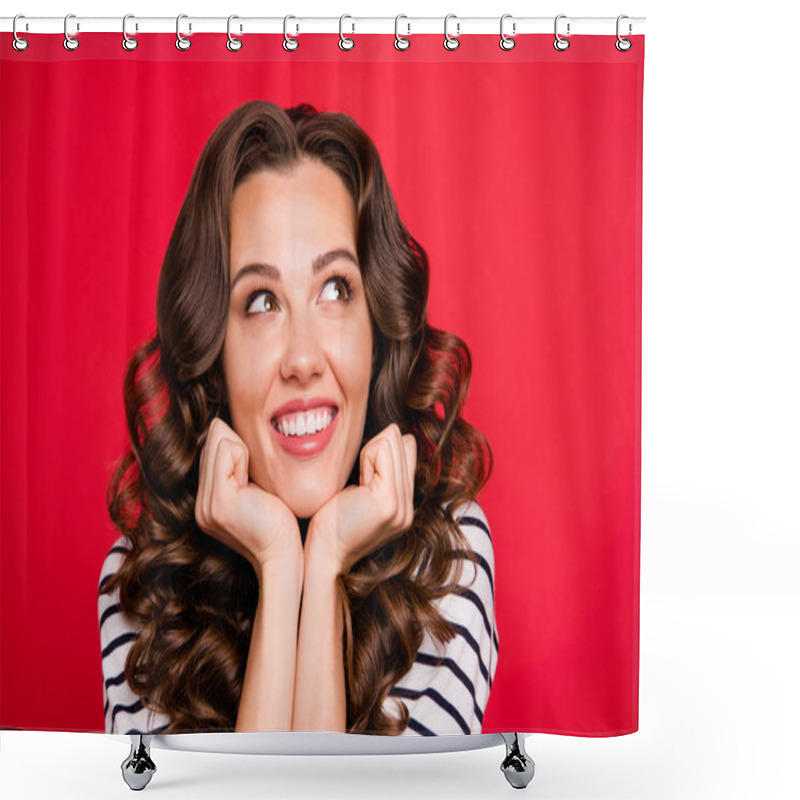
{"points": [[406, 26]]}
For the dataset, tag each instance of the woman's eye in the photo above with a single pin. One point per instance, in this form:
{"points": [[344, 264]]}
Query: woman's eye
{"points": [[260, 302], [341, 290], [263, 301]]}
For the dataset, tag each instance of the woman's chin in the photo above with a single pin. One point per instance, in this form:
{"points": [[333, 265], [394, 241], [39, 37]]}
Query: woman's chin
{"points": [[303, 495], [305, 504], [305, 510]]}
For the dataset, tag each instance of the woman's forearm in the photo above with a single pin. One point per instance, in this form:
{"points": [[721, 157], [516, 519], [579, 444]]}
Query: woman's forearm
{"points": [[319, 696], [268, 688]]}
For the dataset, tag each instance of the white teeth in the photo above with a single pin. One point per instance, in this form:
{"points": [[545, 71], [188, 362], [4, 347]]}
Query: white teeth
{"points": [[305, 424]]}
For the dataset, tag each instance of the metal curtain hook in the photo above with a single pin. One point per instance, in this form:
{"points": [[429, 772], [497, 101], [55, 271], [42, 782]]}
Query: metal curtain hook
{"points": [[561, 43], [506, 42], [182, 43], [451, 42], [70, 42], [128, 42], [345, 42], [289, 42], [19, 43], [400, 42], [234, 44], [623, 45]]}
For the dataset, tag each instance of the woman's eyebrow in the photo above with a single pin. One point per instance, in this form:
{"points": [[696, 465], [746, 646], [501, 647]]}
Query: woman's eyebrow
{"points": [[273, 273]]}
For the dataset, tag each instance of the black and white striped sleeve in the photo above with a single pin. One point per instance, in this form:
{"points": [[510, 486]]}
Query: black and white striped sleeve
{"points": [[447, 688], [124, 711]]}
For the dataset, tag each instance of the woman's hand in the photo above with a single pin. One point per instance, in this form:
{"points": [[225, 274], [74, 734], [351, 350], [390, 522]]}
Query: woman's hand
{"points": [[241, 515], [360, 519]]}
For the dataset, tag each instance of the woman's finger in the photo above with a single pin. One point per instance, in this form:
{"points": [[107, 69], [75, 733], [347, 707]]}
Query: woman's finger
{"points": [[400, 472], [203, 484], [365, 466], [405, 482], [225, 482], [383, 463], [241, 457], [393, 495], [217, 431], [410, 452], [410, 446], [367, 458]]}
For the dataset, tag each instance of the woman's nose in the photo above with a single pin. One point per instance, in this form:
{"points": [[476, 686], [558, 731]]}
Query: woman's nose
{"points": [[303, 357]]}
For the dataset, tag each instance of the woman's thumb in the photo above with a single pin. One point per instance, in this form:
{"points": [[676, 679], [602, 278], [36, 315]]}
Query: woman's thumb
{"points": [[367, 466], [240, 466]]}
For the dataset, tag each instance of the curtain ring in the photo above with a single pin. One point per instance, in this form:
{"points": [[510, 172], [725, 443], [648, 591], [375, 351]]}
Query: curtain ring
{"points": [[182, 43], [345, 42], [289, 42], [70, 42], [561, 43], [623, 45], [128, 42], [451, 42], [19, 43], [400, 42], [506, 42], [233, 44]]}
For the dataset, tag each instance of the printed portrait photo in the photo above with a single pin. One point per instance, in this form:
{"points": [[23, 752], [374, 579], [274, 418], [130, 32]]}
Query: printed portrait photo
{"points": [[302, 548], [321, 386]]}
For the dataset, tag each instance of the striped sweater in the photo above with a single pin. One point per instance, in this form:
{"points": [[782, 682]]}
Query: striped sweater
{"points": [[446, 689]]}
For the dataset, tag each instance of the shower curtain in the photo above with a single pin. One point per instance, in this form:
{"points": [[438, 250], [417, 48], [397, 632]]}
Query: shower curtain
{"points": [[518, 173]]}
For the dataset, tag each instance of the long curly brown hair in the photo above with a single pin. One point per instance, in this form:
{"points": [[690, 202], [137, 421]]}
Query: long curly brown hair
{"points": [[194, 599]]}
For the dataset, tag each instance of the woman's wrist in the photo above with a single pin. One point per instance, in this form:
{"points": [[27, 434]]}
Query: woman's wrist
{"points": [[282, 564], [321, 554]]}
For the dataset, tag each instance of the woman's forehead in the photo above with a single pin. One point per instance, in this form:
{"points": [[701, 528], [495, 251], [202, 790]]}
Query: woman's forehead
{"points": [[284, 212]]}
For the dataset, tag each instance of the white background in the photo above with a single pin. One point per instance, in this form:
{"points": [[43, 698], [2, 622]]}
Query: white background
{"points": [[720, 441]]}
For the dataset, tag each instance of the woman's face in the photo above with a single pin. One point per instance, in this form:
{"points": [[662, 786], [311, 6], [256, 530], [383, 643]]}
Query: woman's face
{"points": [[296, 334]]}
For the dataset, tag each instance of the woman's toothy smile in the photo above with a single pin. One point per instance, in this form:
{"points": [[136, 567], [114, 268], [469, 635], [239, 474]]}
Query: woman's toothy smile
{"points": [[304, 426], [304, 423]]}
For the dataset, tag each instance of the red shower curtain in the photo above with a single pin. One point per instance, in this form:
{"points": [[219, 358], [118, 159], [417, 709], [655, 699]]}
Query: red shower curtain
{"points": [[519, 173]]}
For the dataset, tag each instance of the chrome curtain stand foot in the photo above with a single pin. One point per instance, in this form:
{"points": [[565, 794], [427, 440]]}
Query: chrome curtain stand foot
{"points": [[518, 766], [138, 768]]}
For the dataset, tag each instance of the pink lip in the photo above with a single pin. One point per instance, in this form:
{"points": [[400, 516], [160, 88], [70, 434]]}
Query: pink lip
{"points": [[305, 446], [303, 404]]}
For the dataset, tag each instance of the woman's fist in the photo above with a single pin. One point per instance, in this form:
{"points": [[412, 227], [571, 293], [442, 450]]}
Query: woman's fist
{"points": [[241, 515], [361, 519]]}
